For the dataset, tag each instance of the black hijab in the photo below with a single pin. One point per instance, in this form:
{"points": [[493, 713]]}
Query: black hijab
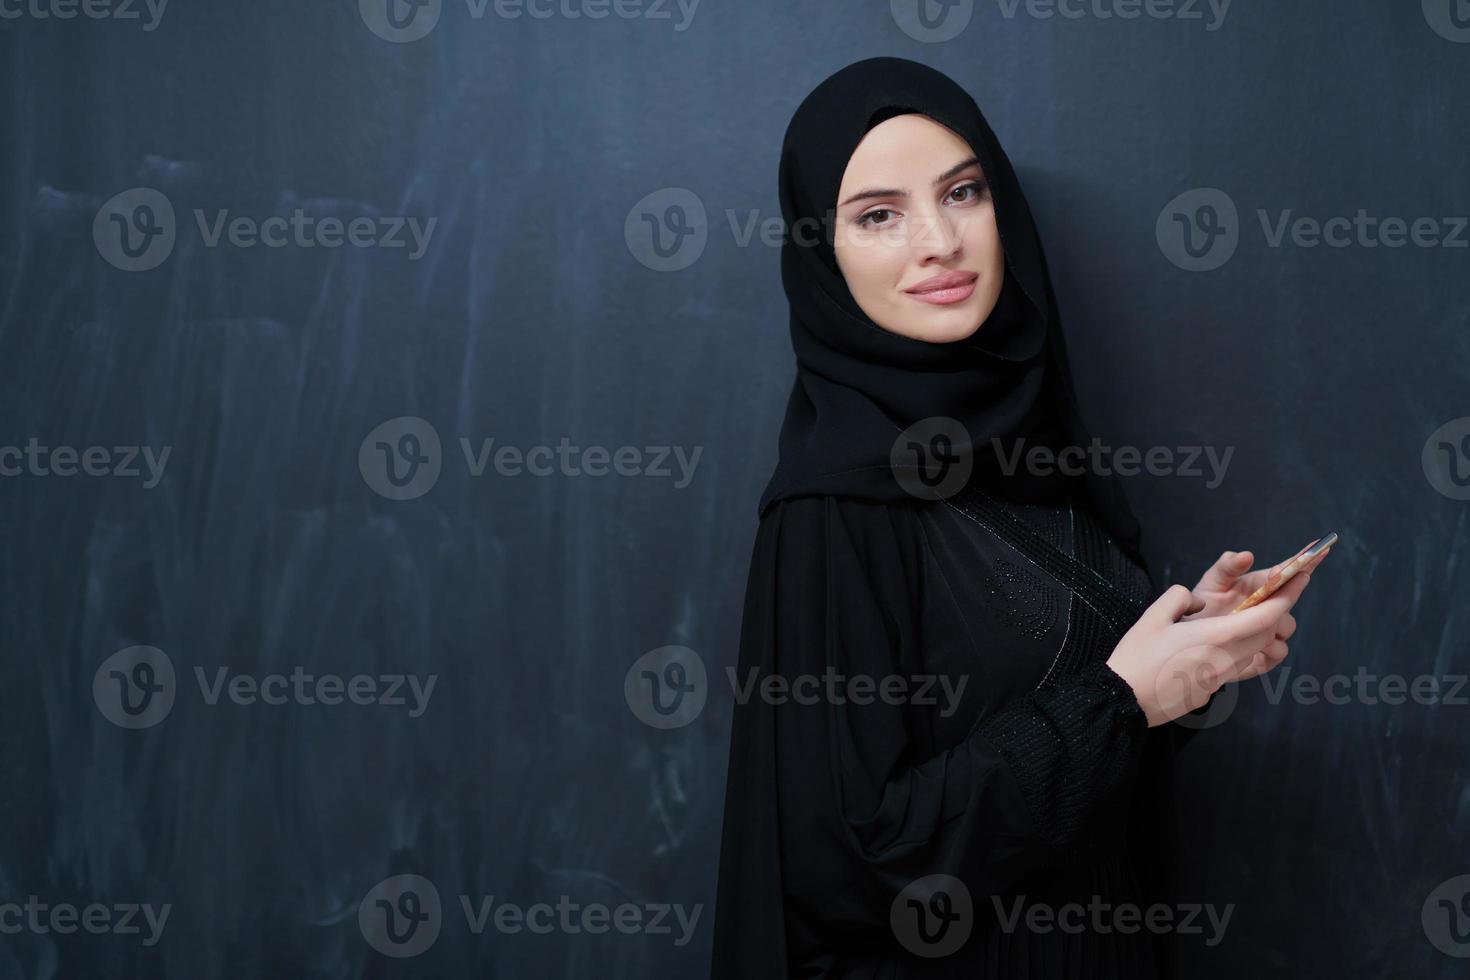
{"points": [[858, 385]]}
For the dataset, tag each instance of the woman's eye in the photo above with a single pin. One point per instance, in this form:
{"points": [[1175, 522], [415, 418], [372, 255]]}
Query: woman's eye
{"points": [[975, 186], [868, 219]]}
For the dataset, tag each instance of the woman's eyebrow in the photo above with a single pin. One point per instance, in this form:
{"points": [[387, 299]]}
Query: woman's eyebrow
{"points": [[899, 192]]}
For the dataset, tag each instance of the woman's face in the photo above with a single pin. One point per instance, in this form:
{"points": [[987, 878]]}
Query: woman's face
{"points": [[914, 206]]}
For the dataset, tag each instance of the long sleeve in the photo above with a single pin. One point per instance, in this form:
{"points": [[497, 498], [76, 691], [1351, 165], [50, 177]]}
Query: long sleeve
{"points": [[1065, 747], [835, 805]]}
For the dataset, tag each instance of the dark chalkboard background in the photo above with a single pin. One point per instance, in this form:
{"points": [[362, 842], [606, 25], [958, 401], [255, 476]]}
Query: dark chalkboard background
{"points": [[544, 149]]}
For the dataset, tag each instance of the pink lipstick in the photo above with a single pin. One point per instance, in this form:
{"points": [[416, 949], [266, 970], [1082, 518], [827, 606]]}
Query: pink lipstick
{"points": [[946, 289]]}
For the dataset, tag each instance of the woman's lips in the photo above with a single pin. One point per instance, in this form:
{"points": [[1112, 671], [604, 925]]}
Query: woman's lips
{"points": [[954, 287]]}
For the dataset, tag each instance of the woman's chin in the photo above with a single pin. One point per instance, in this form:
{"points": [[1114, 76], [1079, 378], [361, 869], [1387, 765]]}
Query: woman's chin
{"points": [[946, 326]]}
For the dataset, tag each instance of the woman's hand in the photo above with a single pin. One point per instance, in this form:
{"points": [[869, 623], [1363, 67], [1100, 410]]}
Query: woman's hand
{"points": [[1229, 581], [1226, 585], [1174, 665]]}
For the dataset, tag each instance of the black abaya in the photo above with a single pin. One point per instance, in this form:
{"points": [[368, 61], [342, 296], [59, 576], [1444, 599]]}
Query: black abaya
{"points": [[1037, 780]]}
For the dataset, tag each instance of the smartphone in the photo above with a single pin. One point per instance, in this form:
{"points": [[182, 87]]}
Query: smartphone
{"points": [[1287, 571]]}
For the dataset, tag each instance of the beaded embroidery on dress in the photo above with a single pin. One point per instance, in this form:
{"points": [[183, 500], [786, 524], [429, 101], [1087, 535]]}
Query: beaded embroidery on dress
{"points": [[1110, 588]]}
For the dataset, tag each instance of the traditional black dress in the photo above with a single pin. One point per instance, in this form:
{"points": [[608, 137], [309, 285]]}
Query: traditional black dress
{"points": [[1039, 783]]}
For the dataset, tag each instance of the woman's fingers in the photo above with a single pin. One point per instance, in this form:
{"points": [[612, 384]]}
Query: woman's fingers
{"points": [[1201, 655], [1251, 669], [1265, 661], [1271, 655], [1260, 618], [1218, 650], [1230, 566], [1252, 640], [1176, 600]]}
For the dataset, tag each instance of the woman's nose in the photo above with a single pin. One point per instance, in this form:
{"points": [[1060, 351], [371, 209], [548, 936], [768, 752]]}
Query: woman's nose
{"points": [[938, 237]]}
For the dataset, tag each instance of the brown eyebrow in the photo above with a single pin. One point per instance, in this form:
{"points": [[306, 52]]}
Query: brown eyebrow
{"points": [[900, 192]]}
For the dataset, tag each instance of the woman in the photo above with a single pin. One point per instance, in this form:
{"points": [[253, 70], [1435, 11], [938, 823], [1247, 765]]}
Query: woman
{"points": [[957, 692]]}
